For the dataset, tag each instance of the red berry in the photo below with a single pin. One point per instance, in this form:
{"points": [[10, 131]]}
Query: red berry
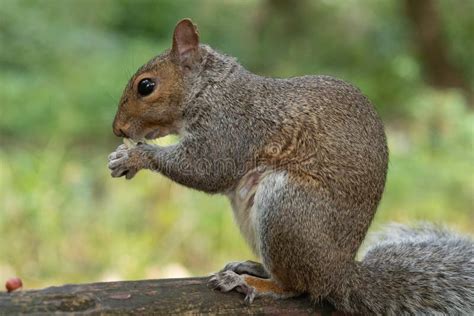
{"points": [[13, 284]]}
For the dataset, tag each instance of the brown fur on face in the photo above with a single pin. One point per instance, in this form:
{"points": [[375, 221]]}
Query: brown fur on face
{"points": [[157, 114]]}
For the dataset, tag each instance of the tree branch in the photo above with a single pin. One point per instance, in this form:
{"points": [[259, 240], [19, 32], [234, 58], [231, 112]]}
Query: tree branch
{"points": [[157, 297]]}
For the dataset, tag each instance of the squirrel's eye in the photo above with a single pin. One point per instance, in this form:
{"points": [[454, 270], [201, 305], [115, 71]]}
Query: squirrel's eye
{"points": [[146, 86]]}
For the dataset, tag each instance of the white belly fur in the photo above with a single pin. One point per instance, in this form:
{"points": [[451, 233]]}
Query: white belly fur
{"points": [[244, 207]]}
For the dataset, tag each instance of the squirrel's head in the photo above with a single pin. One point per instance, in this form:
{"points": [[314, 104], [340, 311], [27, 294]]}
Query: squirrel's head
{"points": [[152, 103]]}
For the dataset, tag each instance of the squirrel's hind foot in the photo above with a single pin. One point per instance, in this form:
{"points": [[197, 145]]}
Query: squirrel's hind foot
{"points": [[226, 281], [249, 285]]}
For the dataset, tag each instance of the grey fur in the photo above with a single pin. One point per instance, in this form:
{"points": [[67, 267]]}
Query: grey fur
{"points": [[248, 267], [303, 161], [424, 270]]}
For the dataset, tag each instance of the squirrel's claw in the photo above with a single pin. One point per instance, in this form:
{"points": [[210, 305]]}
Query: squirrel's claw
{"points": [[250, 295]]}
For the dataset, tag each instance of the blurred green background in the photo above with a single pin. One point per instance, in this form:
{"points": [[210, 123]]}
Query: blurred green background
{"points": [[64, 63]]}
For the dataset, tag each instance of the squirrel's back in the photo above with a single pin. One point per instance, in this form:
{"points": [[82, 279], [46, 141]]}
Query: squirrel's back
{"points": [[329, 137]]}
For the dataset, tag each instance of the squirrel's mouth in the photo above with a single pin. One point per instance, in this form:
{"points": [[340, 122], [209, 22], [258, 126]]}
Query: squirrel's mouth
{"points": [[161, 131], [148, 139], [132, 141], [154, 134]]}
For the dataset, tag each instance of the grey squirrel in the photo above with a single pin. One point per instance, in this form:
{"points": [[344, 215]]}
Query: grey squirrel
{"points": [[303, 162]]}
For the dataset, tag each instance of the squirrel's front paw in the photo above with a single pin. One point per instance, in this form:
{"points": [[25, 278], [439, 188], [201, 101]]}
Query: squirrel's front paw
{"points": [[126, 161]]}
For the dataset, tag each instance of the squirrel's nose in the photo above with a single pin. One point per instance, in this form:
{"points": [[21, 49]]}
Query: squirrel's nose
{"points": [[119, 132], [119, 128]]}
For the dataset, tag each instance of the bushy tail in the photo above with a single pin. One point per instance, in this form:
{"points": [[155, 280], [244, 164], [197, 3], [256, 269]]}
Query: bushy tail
{"points": [[413, 271]]}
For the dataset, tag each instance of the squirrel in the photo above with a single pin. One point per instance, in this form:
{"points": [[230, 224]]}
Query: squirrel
{"points": [[303, 162]]}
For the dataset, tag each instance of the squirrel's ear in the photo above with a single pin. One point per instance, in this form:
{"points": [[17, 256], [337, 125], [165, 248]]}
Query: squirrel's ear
{"points": [[185, 43]]}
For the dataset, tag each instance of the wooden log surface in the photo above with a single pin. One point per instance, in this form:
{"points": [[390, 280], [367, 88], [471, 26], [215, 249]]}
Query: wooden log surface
{"points": [[156, 297]]}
